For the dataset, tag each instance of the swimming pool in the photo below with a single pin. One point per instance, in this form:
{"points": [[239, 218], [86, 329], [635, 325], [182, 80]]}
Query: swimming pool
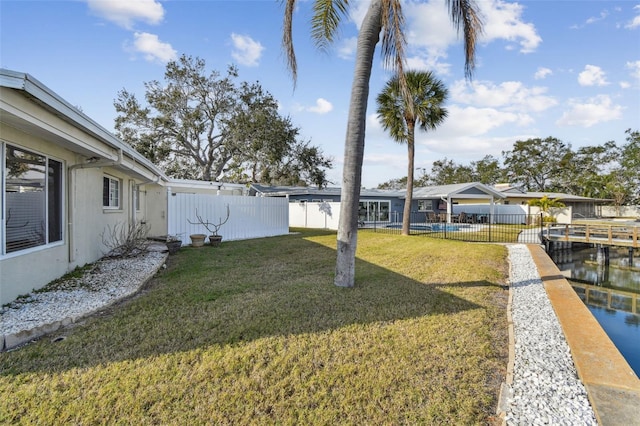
{"points": [[434, 227]]}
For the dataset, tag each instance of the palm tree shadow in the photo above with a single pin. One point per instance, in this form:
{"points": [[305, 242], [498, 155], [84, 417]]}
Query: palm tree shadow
{"points": [[167, 318]]}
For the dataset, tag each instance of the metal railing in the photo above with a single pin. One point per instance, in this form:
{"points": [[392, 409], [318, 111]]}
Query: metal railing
{"points": [[496, 228]]}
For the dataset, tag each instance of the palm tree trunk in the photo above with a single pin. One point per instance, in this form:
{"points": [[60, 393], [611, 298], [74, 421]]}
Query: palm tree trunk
{"points": [[406, 215], [354, 147]]}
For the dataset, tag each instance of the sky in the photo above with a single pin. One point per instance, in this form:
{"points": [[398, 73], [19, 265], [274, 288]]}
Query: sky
{"points": [[566, 69]]}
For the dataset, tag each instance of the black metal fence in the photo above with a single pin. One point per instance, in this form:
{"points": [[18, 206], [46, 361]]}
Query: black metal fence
{"points": [[496, 228]]}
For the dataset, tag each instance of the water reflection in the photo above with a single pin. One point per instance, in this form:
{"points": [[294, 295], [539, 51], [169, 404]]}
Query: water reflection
{"points": [[583, 265], [611, 291]]}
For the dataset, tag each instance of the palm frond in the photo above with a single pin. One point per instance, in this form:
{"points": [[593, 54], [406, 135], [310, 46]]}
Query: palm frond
{"points": [[327, 15], [394, 43], [464, 13], [287, 39]]}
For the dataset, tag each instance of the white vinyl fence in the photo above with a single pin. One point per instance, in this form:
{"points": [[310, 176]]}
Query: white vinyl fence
{"points": [[249, 217], [325, 215], [621, 211], [314, 215]]}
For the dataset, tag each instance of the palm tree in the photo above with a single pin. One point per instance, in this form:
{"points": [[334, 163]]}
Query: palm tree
{"points": [[384, 17], [545, 203], [399, 115]]}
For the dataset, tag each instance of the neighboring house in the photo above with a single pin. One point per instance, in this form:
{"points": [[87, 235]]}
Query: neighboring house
{"points": [[378, 205], [450, 199], [65, 180], [581, 207], [375, 204]]}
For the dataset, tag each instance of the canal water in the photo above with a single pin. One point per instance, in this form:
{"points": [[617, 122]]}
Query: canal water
{"points": [[611, 292]]}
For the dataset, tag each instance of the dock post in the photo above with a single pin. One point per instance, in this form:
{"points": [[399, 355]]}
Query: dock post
{"points": [[603, 254]]}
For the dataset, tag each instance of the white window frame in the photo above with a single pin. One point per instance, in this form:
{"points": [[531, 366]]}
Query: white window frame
{"points": [[113, 202], [374, 214], [423, 204], [48, 241]]}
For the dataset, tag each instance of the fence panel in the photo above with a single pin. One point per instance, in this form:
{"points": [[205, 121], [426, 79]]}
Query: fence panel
{"points": [[324, 215], [249, 217]]}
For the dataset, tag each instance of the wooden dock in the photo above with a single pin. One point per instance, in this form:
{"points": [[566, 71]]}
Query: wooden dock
{"points": [[626, 234]]}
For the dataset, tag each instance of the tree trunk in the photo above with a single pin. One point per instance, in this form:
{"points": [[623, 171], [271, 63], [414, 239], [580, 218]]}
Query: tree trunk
{"points": [[354, 147], [406, 215]]}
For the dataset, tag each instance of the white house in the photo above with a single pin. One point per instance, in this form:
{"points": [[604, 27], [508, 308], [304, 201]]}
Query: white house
{"points": [[64, 180]]}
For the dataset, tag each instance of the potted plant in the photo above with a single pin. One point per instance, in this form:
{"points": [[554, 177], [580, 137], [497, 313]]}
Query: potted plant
{"points": [[214, 237], [173, 242], [197, 240]]}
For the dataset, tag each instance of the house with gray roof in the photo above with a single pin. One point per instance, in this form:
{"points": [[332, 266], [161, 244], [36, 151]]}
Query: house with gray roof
{"points": [[378, 205]]}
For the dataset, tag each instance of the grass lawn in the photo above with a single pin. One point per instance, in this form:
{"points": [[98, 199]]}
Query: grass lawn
{"points": [[255, 332]]}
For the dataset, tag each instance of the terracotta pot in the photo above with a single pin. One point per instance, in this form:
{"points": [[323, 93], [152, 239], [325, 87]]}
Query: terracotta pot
{"points": [[197, 240]]}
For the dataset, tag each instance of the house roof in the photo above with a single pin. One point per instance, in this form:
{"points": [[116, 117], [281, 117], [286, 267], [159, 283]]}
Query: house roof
{"points": [[463, 190], [552, 195], [459, 190], [41, 95], [514, 192], [282, 191]]}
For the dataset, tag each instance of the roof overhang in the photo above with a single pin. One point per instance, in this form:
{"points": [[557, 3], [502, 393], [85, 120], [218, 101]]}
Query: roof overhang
{"points": [[17, 90]]}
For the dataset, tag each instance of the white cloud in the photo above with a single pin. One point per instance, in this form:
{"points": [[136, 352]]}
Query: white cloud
{"points": [[357, 11], [246, 50], [152, 48], [429, 27], [125, 13], [428, 64], [322, 106], [594, 19], [430, 32], [591, 112], [542, 73], [635, 22], [634, 68], [592, 76], [472, 121], [624, 84], [509, 95], [503, 21], [347, 48]]}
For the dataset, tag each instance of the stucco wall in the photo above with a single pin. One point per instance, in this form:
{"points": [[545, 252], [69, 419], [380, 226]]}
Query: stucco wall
{"points": [[83, 217]]}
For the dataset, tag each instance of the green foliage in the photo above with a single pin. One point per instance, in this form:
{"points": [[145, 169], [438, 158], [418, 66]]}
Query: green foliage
{"points": [[423, 108], [209, 127], [604, 171], [421, 104], [421, 340], [395, 184], [545, 203], [535, 164], [630, 165]]}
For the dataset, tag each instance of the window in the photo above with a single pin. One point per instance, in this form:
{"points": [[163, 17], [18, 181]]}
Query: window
{"points": [[425, 205], [32, 208], [373, 211], [110, 193]]}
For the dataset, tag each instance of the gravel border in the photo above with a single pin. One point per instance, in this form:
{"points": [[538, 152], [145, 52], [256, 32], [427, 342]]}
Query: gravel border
{"points": [[545, 387], [104, 283]]}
